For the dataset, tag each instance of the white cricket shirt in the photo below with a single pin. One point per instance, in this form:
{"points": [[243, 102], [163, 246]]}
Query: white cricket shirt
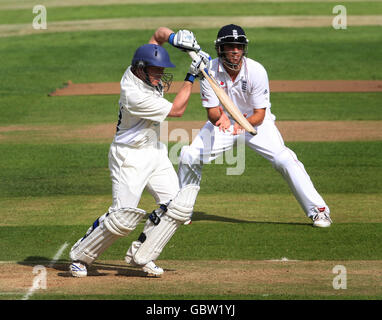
{"points": [[141, 109], [249, 91]]}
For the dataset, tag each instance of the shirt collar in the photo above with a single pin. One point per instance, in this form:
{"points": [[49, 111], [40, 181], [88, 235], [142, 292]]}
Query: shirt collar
{"points": [[221, 69], [139, 82]]}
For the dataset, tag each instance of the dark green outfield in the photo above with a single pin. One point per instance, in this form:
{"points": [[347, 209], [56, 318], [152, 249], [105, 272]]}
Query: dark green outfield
{"points": [[39, 64], [320, 106], [34, 66], [89, 110], [217, 240], [192, 9], [343, 168], [81, 169]]}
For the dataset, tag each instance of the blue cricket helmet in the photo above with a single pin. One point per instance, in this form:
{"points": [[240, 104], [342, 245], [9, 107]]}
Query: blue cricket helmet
{"points": [[152, 55]]}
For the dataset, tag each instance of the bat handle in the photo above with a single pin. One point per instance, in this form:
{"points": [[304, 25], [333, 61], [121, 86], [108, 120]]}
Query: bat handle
{"points": [[194, 56]]}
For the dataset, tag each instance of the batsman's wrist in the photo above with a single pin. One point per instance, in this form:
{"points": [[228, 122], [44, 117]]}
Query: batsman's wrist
{"points": [[171, 38], [190, 77]]}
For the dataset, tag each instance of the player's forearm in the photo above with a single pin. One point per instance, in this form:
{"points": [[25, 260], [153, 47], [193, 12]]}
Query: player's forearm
{"points": [[181, 100], [257, 117], [161, 35], [214, 114]]}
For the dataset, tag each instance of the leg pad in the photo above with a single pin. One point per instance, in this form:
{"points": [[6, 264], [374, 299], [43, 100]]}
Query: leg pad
{"points": [[178, 211], [104, 231]]}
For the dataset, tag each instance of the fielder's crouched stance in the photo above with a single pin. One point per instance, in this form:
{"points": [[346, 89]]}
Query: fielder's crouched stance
{"points": [[158, 230], [246, 82]]}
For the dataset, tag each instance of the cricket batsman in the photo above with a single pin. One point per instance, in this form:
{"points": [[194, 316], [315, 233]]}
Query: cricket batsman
{"points": [[138, 160]]}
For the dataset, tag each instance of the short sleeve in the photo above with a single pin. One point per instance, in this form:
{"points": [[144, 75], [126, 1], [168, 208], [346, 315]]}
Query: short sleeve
{"points": [[259, 95], [207, 95], [149, 107]]}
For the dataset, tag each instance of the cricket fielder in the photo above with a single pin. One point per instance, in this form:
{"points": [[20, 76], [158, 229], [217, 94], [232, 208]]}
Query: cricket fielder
{"points": [[246, 83], [137, 159]]}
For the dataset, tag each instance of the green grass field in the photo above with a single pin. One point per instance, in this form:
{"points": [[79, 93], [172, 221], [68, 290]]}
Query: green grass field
{"points": [[179, 9], [50, 193]]}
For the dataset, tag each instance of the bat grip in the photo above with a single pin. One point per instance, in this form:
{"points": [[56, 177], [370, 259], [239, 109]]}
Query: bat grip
{"points": [[194, 56]]}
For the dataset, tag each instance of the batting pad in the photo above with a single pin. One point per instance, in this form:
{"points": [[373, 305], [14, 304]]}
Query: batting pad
{"points": [[104, 232], [179, 211]]}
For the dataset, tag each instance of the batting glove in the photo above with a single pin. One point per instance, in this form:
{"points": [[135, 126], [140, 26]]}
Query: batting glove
{"points": [[206, 59], [184, 40], [200, 62]]}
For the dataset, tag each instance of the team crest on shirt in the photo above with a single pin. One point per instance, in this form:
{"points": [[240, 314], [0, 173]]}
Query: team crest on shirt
{"points": [[243, 85]]}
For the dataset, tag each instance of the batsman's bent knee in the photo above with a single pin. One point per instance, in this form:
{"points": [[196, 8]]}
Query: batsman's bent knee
{"points": [[104, 232], [178, 211], [123, 221], [282, 159]]}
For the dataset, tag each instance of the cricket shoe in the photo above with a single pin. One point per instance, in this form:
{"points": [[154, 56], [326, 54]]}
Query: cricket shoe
{"points": [[322, 218], [78, 269], [150, 268]]}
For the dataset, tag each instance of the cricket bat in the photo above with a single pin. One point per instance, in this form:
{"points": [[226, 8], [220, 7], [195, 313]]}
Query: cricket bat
{"points": [[224, 99]]}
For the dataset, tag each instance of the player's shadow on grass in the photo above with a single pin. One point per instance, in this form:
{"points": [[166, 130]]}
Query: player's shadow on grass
{"points": [[35, 261], [202, 216], [123, 270], [97, 269]]}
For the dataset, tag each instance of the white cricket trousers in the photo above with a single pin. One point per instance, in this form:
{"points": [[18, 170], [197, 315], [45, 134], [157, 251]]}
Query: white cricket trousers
{"points": [[210, 143], [133, 169]]}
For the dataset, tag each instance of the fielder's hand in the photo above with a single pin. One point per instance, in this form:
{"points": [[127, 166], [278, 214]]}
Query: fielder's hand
{"points": [[184, 40], [223, 123], [237, 128]]}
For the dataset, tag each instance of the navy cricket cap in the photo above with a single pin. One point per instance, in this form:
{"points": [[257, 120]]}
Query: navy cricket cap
{"points": [[231, 33]]}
